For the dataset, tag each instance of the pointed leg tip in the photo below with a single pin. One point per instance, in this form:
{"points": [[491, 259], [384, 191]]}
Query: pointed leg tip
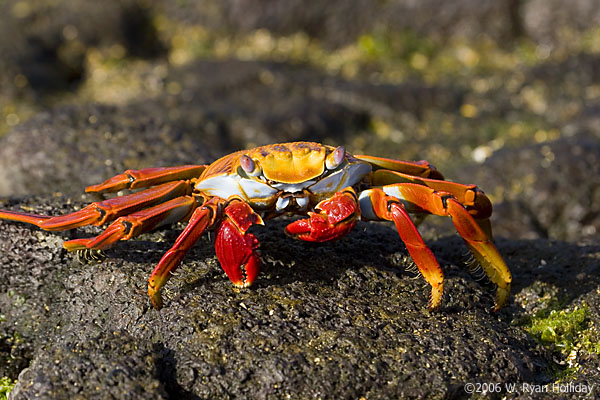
{"points": [[76, 244], [157, 304], [156, 300], [155, 296], [502, 295], [433, 308], [435, 300]]}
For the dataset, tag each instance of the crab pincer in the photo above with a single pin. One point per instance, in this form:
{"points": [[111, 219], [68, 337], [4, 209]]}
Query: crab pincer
{"points": [[235, 246], [335, 218]]}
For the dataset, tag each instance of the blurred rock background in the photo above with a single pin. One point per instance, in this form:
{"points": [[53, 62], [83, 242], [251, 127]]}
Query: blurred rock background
{"points": [[503, 94]]}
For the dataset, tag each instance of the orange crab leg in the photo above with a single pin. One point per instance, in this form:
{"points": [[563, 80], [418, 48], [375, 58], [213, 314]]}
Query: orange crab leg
{"points": [[134, 179], [376, 204], [203, 217], [335, 217], [445, 204], [101, 212], [416, 168], [139, 222], [470, 196]]}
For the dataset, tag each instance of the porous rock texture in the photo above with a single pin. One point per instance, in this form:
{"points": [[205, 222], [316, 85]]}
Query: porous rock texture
{"points": [[339, 320]]}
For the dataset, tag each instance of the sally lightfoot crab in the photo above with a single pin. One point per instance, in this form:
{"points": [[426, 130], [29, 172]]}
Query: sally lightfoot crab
{"points": [[331, 187]]}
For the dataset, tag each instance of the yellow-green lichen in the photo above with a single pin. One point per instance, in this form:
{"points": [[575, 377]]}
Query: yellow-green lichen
{"points": [[558, 328], [6, 385], [571, 332]]}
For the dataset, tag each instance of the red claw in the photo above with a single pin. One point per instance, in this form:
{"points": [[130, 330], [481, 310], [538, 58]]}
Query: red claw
{"points": [[337, 216], [235, 247]]}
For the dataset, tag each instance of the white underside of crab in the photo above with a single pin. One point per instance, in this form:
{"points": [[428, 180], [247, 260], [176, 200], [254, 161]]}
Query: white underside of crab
{"points": [[261, 194], [366, 205]]}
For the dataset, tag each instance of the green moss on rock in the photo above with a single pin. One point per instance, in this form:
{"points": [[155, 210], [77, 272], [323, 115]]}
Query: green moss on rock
{"points": [[6, 385], [559, 328]]}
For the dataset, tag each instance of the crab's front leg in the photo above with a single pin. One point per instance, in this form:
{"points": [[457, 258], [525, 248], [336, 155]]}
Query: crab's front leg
{"points": [[235, 247], [334, 218], [202, 218]]}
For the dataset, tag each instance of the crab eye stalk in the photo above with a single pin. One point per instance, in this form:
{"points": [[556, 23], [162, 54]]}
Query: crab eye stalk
{"points": [[335, 158], [249, 166]]}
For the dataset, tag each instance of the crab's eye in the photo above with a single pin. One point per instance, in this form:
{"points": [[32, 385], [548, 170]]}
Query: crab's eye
{"points": [[249, 165], [335, 158]]}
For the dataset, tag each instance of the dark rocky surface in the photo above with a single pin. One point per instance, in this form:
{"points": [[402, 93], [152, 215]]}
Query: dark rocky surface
{"points": [[346, 310], [503, 94], [341, 320], [549, 190], [110, 365], [62, 151]]}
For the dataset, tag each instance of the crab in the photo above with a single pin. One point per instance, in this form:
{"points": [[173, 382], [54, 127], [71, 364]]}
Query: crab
{"points": [[331, 187]]}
